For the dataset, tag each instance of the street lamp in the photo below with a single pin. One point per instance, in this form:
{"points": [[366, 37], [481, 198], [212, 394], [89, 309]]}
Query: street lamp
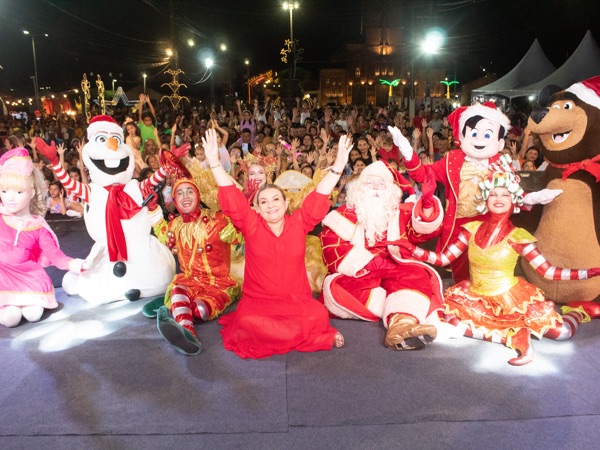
{"points": [[431, 45], [35, 80], [113, 84], [209, 63], [290, 7], [247, 63], [223, 47]]}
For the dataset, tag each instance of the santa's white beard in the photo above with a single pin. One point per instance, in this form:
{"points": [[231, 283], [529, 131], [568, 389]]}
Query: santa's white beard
{"points": [[374, 212]]}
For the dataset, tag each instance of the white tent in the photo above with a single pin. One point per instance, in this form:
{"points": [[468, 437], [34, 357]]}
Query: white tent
{"points": [[534, 67], [584, 63]]}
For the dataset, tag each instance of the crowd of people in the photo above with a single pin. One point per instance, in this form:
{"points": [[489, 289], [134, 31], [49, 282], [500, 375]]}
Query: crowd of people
{"points": [[302, 137], [362, 156]]}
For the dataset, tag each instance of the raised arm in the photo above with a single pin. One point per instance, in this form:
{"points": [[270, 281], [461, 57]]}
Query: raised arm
{"points": [[84, 177], [151, 107], [542, 266], [330, 180], [239, 108], [211, 150], [173, 131], [80, 190], [141, 107]]}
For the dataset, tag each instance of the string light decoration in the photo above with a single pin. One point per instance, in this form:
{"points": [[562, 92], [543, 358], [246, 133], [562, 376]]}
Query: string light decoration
{"points": [[174, 85], [85, 88], [101, 101]]}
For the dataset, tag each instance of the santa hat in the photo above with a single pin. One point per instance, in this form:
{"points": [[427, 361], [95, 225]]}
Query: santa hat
{"points": [[378, 169], [16, 161], [103, 123], [502, 175], [588, 91], [458, 118], [400, 181]]}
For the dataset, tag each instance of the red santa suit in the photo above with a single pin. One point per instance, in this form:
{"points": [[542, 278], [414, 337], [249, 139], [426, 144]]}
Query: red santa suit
{"points": [[373, 283]]}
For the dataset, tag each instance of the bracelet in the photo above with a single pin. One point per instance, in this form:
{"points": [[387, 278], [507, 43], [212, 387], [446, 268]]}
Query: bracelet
{"points": [[335, 172], [214, 167]]}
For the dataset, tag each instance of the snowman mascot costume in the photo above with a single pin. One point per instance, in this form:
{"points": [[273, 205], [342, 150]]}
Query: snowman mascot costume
{"points": [[133, 263]]}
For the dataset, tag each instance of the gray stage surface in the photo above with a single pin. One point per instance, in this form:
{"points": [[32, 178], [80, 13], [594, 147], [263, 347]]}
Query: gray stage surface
{"points": [[98, 377]]}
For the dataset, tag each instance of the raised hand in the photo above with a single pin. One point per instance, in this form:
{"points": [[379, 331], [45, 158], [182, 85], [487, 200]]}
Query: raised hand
{"points": [[295, 144], [251, 189], [428, 188], [182, 151], [211, 147], [61, 149], [344, 147], [49, 151], [416, 135], [402, 143]]}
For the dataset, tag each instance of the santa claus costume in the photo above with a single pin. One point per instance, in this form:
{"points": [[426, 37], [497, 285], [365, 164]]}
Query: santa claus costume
{"points": [[370, 277]]}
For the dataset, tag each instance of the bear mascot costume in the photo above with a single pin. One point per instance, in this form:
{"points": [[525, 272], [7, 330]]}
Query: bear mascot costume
{"points": [[568, 234]]}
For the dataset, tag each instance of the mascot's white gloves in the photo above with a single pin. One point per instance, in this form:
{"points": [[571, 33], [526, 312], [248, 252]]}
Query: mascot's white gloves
{"points": [[401, 142], [542, 197], [76, 265], [81, 265], [156, 215]]}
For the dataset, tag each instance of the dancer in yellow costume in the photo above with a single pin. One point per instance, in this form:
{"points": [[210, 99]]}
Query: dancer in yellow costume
{"points": [[494, 304]]}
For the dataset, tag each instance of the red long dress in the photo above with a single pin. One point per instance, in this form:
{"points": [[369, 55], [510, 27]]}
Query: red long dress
{"points": [[277, 313]]}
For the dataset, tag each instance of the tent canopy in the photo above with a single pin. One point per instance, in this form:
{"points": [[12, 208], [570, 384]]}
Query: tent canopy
{"points": [[534, 67], [584, 63]]}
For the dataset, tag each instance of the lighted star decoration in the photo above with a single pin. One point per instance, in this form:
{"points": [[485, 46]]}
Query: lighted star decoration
{"points": [[174, 85], [287, 49]]}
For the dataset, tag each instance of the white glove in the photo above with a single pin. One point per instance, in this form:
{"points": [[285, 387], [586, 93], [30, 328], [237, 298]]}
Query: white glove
{"points": [[76, 265], [95, 256], [542, 197], [155, 216], [401, 142]]}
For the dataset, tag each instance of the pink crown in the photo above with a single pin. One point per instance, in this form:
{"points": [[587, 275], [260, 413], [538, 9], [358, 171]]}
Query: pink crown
{"points": [[16, 161]]}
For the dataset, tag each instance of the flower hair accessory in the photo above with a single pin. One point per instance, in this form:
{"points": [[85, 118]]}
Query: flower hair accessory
{"points": [[501, 175]]}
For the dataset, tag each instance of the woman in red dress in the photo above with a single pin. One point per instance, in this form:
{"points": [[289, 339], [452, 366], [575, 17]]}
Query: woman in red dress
{"points": [[277, 313]]}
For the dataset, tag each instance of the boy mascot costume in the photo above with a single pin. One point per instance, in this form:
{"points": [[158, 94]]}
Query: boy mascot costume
{"points": [[481, 129], [569, 231], [133, 263]]}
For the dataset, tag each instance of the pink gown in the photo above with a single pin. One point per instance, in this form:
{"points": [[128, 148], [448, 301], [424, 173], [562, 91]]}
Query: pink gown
{"points": [[277, 313], [23, 280]]}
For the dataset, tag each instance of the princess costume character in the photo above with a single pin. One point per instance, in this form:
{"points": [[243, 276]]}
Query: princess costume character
{"points": [[27, 243]]}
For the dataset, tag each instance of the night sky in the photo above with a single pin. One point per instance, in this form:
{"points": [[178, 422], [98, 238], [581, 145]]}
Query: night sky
{"points": [[129, 37]]}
